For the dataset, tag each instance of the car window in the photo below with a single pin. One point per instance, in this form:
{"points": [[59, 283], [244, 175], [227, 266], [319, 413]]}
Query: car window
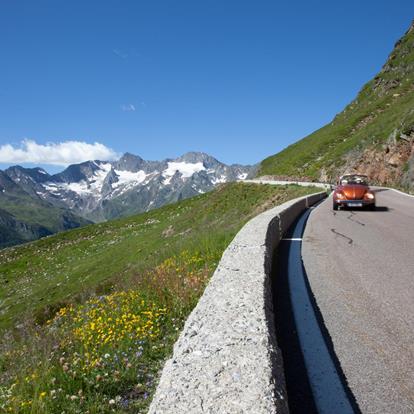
{"points": [[354, 179]]}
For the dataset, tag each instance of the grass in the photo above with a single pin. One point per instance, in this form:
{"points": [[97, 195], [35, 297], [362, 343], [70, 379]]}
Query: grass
{"points": [[89, 315]]}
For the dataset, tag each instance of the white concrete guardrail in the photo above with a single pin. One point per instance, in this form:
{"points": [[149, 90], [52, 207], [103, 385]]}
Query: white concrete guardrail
{"points": [[226, 359], [325, 186]]}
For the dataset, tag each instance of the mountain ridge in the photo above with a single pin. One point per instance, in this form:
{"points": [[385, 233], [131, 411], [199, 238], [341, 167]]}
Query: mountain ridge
{"points": [[96, 191]]}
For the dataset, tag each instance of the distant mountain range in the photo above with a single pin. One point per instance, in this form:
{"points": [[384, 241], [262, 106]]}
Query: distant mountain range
{"points": [[34, 203]]}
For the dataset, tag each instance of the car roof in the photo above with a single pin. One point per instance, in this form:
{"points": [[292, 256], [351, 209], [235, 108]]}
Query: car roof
{"points": [[351, 175], [348, 175]]}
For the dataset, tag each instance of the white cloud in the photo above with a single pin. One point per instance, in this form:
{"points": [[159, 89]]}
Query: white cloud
{"points": [[120, 53], [128, 108], [60, 153]]}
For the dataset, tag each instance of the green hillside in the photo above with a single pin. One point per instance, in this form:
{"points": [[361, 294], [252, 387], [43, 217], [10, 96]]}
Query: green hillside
{"points": [[374, 134], [24, 217], [89, 315], [53, 269]]}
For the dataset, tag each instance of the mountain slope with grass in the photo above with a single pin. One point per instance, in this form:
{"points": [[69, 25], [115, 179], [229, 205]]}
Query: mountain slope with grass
{"points": [[24, 217], [373, 135], [89, 315]]}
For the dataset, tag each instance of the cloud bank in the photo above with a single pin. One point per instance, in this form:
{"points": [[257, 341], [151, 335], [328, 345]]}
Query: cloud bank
{"points": [[60, 153]]}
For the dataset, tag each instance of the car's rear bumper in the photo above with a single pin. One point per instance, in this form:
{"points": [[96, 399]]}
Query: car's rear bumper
{"points": [[354, 203]]}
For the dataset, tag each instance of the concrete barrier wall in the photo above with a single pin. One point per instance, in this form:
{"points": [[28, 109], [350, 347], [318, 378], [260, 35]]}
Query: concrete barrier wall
{"points": [[301, 183], [226, 359]]}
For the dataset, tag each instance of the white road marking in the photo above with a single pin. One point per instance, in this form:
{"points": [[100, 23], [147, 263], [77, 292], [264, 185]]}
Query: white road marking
{"points": [[401, 192], [293, 239]]}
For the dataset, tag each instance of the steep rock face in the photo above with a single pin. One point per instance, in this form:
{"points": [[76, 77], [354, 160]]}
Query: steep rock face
{"points": [[28, 179], [392, 164], [372, 135], [130, 162], [101, 190], [77, 172]]}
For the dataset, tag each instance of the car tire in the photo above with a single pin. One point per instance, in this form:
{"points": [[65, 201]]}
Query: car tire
{"points": [[335, 206], [371, 207]]}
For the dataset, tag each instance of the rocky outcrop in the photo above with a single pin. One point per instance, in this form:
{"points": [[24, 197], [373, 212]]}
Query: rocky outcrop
{"points": [[390, 164]]}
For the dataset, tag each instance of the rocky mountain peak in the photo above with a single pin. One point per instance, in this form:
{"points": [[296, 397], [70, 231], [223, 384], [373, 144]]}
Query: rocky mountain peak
{"points": [[207, 160], [17, 172], [78, 172], [130, 162], [108, 182]]}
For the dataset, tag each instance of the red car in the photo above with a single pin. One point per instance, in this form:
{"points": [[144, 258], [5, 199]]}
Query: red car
{"points": [[353, 191]]}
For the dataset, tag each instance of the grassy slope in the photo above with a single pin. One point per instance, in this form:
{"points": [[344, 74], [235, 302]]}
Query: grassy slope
{"points": [[51, 270], [384, 104], [40, 216], [123, 290]]}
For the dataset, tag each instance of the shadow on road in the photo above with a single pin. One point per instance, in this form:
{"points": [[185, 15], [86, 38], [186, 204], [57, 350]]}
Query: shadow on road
{"points": [[379, 209], [298, 388], [382, 208], [301, 397]]}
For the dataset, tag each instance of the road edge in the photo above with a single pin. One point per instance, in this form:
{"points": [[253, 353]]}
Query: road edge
{"points": [[226, 358]]}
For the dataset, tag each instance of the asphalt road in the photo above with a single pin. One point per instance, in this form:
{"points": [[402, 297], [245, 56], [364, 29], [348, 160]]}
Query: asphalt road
{"points": [[360, 266]]}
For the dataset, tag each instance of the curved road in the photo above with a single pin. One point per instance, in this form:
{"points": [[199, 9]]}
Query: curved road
{"points": [[360, 266]]}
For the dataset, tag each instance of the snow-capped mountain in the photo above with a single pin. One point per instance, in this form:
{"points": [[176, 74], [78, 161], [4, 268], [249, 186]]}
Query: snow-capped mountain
{"points": [[100, 190]]}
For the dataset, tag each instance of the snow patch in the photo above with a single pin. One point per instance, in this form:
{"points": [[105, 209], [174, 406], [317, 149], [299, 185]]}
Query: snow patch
{"points": [[127, 177], [219, 180], [167, 180], [83, 187], [99, 177], [184, 168], [80, 188], [242, 176], [52, 187]]}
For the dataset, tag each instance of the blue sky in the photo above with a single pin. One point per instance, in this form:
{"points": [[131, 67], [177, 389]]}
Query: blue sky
{"points": [[240, 80]]}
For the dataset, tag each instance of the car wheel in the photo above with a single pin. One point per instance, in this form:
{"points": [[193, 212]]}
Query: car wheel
{"points": [[335, 206], [371, 207]]}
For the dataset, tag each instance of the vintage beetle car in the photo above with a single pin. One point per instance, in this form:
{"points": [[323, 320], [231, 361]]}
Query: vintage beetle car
{"points": [[353, 191]]}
